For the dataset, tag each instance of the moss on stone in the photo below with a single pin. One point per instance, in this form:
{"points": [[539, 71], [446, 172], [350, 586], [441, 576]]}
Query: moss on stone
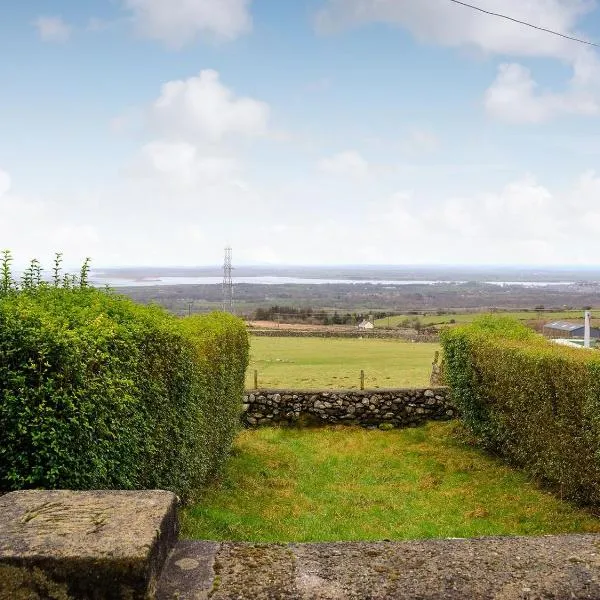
{"points": [[19, 583]]}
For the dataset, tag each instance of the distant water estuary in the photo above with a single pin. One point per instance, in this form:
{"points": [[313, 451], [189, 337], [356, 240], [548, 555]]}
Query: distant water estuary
{"points": [[116, 281], [360, 289]]}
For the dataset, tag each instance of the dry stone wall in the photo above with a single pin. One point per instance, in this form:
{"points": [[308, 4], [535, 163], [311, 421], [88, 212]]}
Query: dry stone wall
{"points": [[407, 336], [385, 409]]}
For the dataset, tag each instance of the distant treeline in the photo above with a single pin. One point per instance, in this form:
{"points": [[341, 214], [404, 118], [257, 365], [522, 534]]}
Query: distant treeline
{"points": [[289, 314], [366, 299]]}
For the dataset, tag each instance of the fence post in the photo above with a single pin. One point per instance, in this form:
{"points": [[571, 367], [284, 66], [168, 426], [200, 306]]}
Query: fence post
{"points": [[362, 379], [255, 379], [436, 371]]}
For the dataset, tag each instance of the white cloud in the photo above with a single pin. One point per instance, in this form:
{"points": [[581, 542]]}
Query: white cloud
{"points": [[183, 165], [345, 164], [194, 127], [202, 109], [521, 222], [523, 210], [53, 29], [512, 97], [143, 221], [37, 228], [179, 22], [515, 97], [73, 236], [453, 25]]}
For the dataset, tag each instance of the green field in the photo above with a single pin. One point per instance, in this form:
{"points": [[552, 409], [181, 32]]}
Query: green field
{"points": [[329, 363], [350, 484], [462, 317]]}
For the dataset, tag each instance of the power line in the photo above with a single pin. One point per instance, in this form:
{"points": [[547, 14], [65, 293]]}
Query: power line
{"points": [[493, 14]]}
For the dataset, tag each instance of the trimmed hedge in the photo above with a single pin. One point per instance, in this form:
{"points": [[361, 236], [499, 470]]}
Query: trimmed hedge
{"points": [[533, 402], [97, 392]]}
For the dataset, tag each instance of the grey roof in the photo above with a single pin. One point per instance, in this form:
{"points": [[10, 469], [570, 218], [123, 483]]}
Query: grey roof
{"points": [[564, 325]]}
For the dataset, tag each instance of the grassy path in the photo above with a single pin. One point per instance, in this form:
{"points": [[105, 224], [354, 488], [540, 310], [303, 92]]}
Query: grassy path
{"points": [[311, 363], [339, 484]]}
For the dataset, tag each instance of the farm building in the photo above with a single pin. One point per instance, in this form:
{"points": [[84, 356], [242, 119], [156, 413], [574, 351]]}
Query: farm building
{"points": [[366, 325], [564, 329]]}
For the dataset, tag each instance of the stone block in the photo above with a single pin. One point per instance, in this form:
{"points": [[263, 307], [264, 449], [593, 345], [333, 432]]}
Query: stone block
{"points": [[97, 544]]}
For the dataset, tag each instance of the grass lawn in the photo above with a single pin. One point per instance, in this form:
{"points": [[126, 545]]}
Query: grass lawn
{"points": [[461, 318], [311, 363], [341, 484]]}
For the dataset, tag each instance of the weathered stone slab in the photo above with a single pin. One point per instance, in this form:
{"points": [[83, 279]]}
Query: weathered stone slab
{"points": [[189, 573], [100, 544], [254, 571], [496, 568]]}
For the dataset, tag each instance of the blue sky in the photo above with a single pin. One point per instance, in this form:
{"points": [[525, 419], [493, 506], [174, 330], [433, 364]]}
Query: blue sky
{"points": [[155, 132]]}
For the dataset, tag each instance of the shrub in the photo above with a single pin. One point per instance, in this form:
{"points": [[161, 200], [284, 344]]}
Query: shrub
{"points": [[533, 402], [97, 392]]}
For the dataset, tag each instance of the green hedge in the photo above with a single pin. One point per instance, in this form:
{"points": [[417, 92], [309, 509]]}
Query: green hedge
{"points": [[98, 392], [533, 402]]}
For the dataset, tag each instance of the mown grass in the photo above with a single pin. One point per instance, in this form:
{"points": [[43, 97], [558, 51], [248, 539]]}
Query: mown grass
{"points": [[341, 484], [462, 317], [329, 363]]}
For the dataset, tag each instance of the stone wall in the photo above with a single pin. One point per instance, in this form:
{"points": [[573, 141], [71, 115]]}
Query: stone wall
{"points": [[369, 408], [405, 335]]}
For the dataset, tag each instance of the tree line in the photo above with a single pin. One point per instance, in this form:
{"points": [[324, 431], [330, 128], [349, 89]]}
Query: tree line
{"points": [[309, 315]]}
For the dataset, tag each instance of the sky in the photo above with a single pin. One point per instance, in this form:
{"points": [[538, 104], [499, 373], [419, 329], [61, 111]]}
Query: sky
{"points": [[306, 132]]}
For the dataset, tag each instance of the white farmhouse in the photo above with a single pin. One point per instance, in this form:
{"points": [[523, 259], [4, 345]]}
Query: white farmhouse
{"points": [[366, 324]]}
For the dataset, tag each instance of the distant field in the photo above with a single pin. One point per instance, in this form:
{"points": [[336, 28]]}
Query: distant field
{"points": [[329, 363], [459, 318]]}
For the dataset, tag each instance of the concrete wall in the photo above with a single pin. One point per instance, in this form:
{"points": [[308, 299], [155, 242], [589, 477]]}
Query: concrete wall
{"points": [[369, 408]]}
